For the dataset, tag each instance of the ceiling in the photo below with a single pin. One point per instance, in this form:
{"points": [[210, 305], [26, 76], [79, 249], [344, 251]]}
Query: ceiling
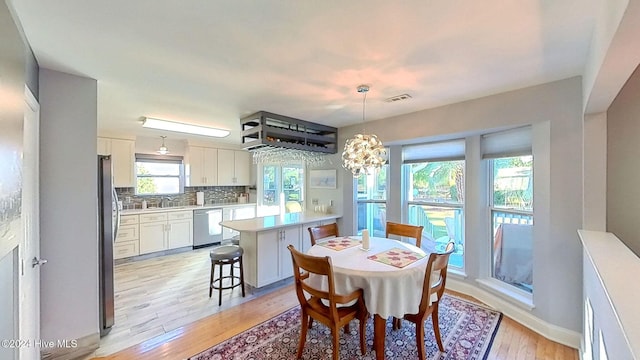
{"points": [[213, 62]]}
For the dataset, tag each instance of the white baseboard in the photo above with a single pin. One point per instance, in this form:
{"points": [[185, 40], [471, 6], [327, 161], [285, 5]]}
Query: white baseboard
{"points": [[552, 332]]}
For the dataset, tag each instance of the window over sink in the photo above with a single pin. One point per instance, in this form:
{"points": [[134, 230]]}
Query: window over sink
{"points": [[159, 175]]}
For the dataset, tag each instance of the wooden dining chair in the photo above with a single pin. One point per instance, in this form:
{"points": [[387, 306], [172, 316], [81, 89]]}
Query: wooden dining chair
{"points": [[411, 231], [323, 231], [313, 301], [435, 279]]}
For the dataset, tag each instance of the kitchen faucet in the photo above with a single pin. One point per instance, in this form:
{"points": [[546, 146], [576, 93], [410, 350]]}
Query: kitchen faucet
{"points": [[165, 201]]}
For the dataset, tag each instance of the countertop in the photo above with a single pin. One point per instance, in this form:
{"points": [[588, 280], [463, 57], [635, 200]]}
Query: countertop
{"points": [[277, 221], [615, 265], [183, 208]]}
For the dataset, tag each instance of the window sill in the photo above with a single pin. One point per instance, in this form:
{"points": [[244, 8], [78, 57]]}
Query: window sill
{"points": [[457, 273], [499, 288]]}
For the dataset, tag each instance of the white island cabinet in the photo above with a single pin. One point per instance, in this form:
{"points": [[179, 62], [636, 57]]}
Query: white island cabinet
{"points": [[266, 258]]}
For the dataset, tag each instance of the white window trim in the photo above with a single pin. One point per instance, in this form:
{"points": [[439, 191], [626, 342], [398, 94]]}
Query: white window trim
{"points": [[368, 201]]}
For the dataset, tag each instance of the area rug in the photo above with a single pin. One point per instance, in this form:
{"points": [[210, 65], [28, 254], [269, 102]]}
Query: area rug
{"points": [[467, 330]]}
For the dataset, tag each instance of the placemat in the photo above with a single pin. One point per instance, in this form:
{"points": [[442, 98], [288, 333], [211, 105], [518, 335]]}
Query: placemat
{"points": [[339, 243], [397, 257]]}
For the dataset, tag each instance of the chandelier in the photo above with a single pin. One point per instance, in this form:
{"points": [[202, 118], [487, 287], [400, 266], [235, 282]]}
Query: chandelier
{"points": [[163, 148], [363, 153]]}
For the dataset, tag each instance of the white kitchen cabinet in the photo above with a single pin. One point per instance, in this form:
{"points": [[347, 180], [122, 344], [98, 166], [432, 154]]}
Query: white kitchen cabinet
{"points": [[305, 243], [180, 232], [123, 162], [234, 167], [267, 269], [165, 230], [272, 258], [153, 237], [203, 166], [104, 146], [290, 236], [127, 242]]}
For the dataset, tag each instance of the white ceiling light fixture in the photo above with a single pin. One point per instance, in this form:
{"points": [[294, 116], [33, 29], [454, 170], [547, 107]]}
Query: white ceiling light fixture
{"points": [[163, 149], [363, 153], [183, 128]]}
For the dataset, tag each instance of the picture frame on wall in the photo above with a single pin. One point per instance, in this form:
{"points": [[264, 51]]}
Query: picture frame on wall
{"points": [[323, 179]]}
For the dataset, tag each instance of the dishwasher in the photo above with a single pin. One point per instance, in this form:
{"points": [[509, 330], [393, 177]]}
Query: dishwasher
{"points": [[207, 230]]}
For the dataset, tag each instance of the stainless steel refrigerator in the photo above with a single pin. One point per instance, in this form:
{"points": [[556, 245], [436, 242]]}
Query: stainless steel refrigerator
{"points": [[108, 223]]}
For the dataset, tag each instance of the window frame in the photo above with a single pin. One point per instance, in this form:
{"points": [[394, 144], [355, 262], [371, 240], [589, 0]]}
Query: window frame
{"points": [[524, 296], [279, 186], [456, 206], [359, 201], [162, 159]]}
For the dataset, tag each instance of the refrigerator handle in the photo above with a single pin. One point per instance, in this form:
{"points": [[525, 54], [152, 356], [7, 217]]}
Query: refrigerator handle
{"points": [[115, 233]]}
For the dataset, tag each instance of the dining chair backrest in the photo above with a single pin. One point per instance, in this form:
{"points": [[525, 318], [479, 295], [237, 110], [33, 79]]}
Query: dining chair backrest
{"points": [[322, 231], [435, 277], [322, 305], [303, 265], [405, 230]]}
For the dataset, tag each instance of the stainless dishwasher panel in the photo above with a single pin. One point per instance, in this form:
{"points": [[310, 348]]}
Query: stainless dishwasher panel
{"points": [[206, 227]]}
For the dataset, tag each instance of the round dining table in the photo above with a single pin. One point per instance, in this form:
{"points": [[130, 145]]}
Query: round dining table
{"points": [[388, 290]]}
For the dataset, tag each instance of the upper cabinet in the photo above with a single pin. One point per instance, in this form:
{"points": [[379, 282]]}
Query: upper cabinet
{"points": [[104, 146], [202, 166], [122, 159], [233, 167]]}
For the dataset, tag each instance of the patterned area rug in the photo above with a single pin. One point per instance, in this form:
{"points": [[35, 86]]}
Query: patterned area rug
{"points": [[467, 331]]}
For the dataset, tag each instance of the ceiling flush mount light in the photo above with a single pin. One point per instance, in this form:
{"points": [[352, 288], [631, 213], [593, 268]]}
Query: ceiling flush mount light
{"points": [[163, 149], [183, 128], [363, 153]]}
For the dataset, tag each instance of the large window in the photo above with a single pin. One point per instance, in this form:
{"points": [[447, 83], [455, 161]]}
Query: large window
{"points": [[511, 206], [159, 175], [372, 202], [434, 190], [282, 185], [512, 220]]}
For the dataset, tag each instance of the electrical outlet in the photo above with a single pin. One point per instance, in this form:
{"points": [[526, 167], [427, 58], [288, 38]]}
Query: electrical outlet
{"points": [[314, 201]]}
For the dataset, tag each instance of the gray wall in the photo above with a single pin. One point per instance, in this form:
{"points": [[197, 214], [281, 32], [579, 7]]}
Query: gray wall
{"points": [[555, 109], [8, 302], [68, 203], [11, 140], [623, 152]]}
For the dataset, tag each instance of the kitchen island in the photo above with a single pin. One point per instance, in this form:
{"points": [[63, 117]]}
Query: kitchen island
{"points": [[265, 239]]}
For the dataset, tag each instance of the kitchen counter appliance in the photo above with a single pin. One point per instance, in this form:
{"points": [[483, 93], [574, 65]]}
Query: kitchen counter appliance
{"points": [[108, 224], [207, 230]]}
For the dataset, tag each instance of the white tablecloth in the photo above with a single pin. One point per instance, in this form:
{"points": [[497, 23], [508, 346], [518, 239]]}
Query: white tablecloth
{"points": [[388, 290]]}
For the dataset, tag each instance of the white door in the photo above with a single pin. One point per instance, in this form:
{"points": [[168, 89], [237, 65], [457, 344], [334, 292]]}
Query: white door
{"points": [[29, 281]]}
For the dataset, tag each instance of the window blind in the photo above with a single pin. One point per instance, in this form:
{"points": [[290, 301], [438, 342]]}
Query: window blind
{"points": [[167, 159], [436, 151], [512, 142]]}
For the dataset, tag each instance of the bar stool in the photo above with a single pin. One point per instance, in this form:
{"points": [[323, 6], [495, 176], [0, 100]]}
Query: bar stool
{"points": [[225, 255]]}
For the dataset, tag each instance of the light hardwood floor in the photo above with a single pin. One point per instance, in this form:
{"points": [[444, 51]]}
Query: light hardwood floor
{"points": [[156, 296], [513, 340]]}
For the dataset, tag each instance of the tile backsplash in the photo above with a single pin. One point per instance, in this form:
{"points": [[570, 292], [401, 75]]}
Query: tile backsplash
{"points": [[212, 194]]}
